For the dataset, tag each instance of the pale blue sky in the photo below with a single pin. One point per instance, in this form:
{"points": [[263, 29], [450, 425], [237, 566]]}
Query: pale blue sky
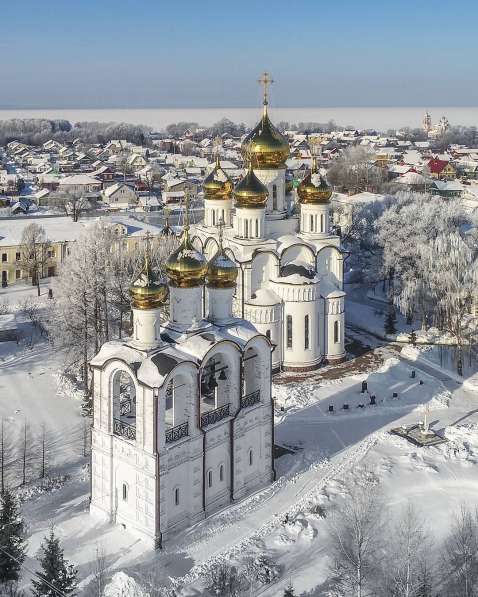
{"points": [[206, 53]]}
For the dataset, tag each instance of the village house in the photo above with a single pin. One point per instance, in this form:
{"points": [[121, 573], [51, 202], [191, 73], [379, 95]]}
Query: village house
{"points": [[120, 196], [441, 169], [80, 183]]}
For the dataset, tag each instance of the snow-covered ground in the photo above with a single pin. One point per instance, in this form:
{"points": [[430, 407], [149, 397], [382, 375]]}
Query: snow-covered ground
{"points": [[282, 520]]}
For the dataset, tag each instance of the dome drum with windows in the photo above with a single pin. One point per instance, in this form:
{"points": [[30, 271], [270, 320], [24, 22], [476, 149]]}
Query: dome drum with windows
{"points": [[314, 190]]}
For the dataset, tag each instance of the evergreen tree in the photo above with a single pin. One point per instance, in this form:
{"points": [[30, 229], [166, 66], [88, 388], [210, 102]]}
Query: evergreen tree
{"points": [[12, 538], [390, 321], [289, 592], [55, 570]]}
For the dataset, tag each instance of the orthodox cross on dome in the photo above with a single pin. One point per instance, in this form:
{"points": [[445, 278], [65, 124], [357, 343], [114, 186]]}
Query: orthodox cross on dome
{"points": [[186, 209], [265, 81], [217, 144], [147, 253], [220, 228]]}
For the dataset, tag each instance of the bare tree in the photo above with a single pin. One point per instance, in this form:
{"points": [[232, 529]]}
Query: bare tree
{"points": [[34, 252], [460, 556], [408, 557], [124, 165], [356, 535]]}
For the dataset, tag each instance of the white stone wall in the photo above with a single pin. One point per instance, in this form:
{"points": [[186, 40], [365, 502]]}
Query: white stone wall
{"points": [[146, 327], [185, 305], [220, 304]]}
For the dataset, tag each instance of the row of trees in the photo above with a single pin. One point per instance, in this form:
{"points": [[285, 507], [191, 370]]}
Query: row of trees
{"points": [[355, 171], [56, 575], [92, 302], [36, 131]]}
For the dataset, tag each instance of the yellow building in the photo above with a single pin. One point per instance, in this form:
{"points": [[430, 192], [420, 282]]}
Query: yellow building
{"points": [[61, 232]]}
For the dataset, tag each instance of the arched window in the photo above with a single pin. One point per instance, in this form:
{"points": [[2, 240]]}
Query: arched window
{"points": [[125, 492], [176, 496], [209, 478], [251, 458], [274, 196], [221, 473], [306, 332], [246, 229], [336, 331], [289, 331]]}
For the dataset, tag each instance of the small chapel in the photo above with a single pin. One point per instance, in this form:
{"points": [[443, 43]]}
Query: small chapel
{"points": [[290, 261], [182, 410]]}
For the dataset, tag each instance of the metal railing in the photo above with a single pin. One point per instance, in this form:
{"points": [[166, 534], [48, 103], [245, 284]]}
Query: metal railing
{"points": [[251, 399], [125, 407], [214, 416], [175, 433], [124, 430]]}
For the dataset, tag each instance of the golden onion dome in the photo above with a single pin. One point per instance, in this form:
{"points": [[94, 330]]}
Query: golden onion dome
{"points": [[186, 267], [314, 190], [265, 146], [146, 291], [221, 271], [217, 184], [250, 192]]}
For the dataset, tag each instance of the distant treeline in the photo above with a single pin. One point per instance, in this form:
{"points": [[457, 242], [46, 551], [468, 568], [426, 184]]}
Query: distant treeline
{"points": [[36, 131]]}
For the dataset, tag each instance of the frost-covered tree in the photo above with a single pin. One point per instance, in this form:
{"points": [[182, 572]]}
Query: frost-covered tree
{"points": [[460, 556], [33, 254], [390, 321], [407, 573], [56, 574], [356, 530], [289, 591], [12, 538], [355, 171], [440, 258]]}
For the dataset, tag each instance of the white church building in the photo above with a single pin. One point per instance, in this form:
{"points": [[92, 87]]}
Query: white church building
{"points": [[290, 282], [182, 411]]}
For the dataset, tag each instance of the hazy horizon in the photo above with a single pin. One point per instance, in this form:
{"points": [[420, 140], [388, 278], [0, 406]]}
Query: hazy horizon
{"points": [[380, 118]]}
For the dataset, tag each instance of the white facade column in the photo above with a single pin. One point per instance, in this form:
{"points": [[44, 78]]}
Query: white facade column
{"points": [[185, 305], [334, 328], [146, 328]]}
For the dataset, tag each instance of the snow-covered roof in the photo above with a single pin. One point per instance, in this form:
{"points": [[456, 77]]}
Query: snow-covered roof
{"points": [[79, 179], [263, 297]]}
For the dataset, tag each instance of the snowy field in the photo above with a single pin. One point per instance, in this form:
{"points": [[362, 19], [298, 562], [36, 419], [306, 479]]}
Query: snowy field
{"points": [[360, 117], [281, 521]]}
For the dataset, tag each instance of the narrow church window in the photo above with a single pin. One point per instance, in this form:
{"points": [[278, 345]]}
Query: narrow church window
{"points": [[251, 458], [268, 334], [274, 196], [125, 492], [221, 473], [289, 331], [306, 332], [209, 479], [176, 496], [257, 229], [213, 217], [336, 331], [246, 229], [322, 228], [311, 223]]}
